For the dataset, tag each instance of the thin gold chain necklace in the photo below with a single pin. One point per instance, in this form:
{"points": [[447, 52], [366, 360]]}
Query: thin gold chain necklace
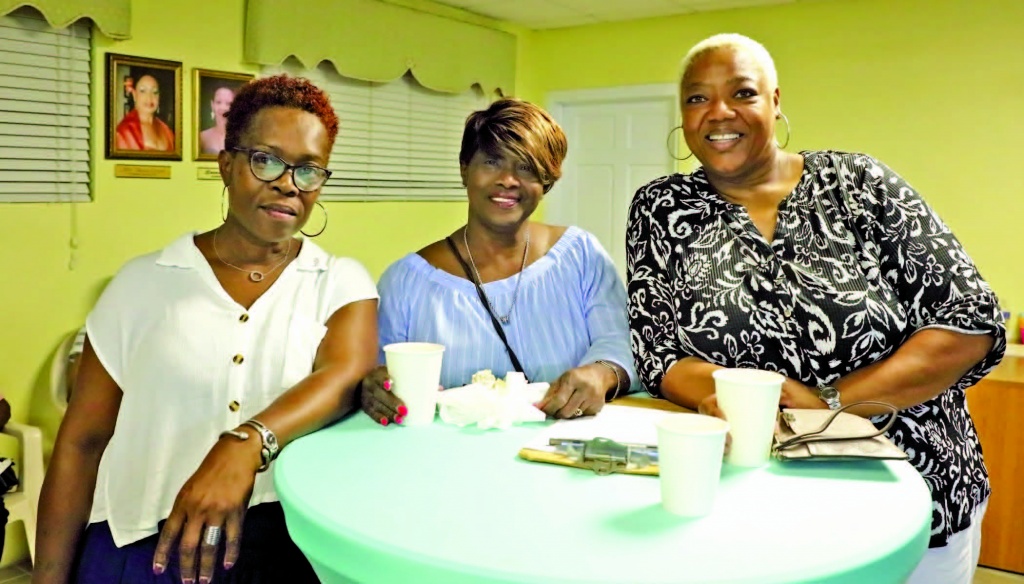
{"points": [[519, 279], [254, 275]]}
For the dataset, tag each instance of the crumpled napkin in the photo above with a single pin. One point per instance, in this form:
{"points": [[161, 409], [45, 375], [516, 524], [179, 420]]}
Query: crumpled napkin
{"points": [[488, 407]]}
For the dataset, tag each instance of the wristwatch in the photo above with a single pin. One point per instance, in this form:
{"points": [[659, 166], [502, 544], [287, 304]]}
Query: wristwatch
{"points": [[269, 448], [830, 395]]}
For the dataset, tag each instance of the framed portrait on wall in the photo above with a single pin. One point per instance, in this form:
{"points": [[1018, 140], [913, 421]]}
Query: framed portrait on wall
{"points": [[143, 108], [212, 94]]}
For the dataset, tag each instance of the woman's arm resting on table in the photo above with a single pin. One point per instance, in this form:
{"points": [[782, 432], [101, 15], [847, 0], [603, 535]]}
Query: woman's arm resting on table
{"points": [[605, 370], [347, 354], [585, 388], [688, 382], [928, 363], [66, 498], [397, 287], [218, 493], [939, 285]]}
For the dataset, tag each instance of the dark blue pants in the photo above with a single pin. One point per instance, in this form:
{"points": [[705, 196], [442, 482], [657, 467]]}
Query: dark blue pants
{"points": [[268, 556]]}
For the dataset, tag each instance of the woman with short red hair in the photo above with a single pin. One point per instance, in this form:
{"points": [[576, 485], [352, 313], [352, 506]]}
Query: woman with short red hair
{"points": [[201, 362]]}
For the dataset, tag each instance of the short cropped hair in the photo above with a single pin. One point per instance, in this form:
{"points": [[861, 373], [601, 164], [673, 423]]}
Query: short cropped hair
{"points": [[738, 43], [519, 128], [277, 91]]}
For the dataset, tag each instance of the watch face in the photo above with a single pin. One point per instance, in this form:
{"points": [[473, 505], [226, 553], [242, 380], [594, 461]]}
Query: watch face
{"points": [[828, 393]]}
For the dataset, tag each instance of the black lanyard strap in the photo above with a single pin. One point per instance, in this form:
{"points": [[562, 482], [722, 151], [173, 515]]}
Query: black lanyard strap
{"points": [[487, 306]]}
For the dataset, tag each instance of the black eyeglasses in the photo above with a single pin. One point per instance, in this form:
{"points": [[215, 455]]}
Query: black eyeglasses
{"points": [[268, 168]]}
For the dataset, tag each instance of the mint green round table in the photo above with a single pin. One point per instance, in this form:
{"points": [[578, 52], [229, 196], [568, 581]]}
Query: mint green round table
{"points": [[444, 505]]}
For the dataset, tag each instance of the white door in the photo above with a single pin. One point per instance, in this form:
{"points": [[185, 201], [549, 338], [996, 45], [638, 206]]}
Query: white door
{"points": [[616, 145]]}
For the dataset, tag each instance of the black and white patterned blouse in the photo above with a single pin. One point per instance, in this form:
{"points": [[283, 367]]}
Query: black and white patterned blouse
{"points": [[858, 263]]}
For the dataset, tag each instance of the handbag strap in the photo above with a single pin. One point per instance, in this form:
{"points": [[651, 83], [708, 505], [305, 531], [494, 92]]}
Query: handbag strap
{"points": [[487, 306], [816, 436]]}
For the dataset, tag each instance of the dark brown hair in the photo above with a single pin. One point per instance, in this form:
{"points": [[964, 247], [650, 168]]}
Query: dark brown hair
{"points": [[521, 129], [279, 90]]}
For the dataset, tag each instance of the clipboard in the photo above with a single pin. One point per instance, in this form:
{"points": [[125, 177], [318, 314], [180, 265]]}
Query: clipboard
{"points": [[612, 441]]}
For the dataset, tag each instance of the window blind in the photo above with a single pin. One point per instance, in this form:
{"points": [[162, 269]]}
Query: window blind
{"points": [[397, 141], [44, 109]]}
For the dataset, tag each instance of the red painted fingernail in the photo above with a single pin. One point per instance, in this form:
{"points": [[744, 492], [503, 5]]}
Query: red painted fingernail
{"points": [[204, 580], [398, 419], [158, 569], [187, 580], [228, 565], [383, 421], [387, 385], [403, 411]]}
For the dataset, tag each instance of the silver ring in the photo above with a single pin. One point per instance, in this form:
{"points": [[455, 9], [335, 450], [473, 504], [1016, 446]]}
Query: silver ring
{"points": [[212, 535], [577, 413]]}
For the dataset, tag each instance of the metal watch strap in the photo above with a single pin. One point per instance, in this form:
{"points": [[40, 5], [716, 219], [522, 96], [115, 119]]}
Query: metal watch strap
{"points": [[830, 395], [270, 447]]}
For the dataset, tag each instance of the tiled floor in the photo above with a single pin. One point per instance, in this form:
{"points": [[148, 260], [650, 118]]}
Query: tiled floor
{"points": [[985, 576], [21, 574]]}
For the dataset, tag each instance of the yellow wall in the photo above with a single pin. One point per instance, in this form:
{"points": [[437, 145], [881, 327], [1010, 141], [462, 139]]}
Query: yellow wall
{"points": [[931, 87]]}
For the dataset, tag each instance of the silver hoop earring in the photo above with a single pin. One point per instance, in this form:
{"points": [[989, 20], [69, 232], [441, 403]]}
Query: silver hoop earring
{"points": [[223, 204], [668, 144], [324, 209], [789, 131]]}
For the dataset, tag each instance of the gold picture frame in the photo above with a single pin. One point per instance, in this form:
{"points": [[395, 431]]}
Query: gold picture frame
{"points": [[143, 108], [212, 92]]}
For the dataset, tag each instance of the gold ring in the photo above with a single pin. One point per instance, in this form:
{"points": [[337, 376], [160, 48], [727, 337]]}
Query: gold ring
{"points": [[577, 413]]}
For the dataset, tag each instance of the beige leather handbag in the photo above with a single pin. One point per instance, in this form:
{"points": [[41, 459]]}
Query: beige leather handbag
{"points": [[834, 435]]}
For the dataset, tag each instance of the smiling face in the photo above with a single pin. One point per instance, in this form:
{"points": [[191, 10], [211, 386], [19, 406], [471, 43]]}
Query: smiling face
{"points": [[503, 190], [146, 94], [729, 112], [274, 211], [221, 102]]}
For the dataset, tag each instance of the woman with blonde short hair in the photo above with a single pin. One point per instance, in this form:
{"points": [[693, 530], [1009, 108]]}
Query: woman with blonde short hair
{"points": [[827, 267]]}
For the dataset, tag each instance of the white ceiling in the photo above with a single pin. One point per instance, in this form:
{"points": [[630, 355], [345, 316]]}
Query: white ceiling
{"points": [[537, 14]]}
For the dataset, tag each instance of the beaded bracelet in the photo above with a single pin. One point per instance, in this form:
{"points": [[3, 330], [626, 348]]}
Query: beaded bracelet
{"points": [[618, 380]]}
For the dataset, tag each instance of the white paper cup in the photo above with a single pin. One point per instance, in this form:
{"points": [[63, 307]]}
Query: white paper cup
{"points": [[415, 372], [749, 398], [690, 450]]}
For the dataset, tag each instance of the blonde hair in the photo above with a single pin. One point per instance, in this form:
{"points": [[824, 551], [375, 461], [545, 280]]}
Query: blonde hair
{"points": [[738, 43], [522, 129]]}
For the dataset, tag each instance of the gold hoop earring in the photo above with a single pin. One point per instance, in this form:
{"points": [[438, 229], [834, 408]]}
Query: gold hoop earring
{"points": [[668, 144], [789, 131], [223, 204], [324, 209]]}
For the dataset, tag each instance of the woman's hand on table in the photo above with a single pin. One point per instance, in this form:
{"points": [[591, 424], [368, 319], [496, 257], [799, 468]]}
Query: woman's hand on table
{"points": [[578, 392], [798, 395], [709, 407], [217, 495], [377, 400]]}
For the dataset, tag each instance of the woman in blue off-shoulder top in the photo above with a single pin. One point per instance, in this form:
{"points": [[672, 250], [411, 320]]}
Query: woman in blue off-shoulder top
{"points": [[553, 290]]}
